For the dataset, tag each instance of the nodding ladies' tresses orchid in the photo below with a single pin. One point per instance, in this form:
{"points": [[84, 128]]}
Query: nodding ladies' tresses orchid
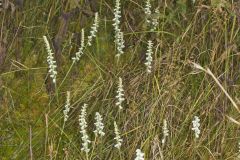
{"points": [[139, 155], [99, 125], [117, 136], [81, 48], [51, 62], [67, 107], [94, 30], [196, 125], [165, 131], [120, 94], [119, 37], [149, 58], [83, 129]]}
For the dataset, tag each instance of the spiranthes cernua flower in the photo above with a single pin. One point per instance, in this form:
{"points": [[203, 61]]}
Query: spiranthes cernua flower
{"points": [[94, 30], [99, 125], [149, 58], [165, 131], [67, 107], [147, 8], [139, 155], [81, 48], [155, 20], [83, 129], [51, 62], [120, 43], [117, 16], [118, 139], [148, 11], [119, 39], [196, 125], [120, 94]]}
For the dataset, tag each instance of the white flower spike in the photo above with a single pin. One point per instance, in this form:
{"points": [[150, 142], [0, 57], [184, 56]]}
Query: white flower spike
{"points": [[155, 20], [147, 8], [196, 125], [139, 155], [83, 129], [51, 62], [67, 107], [148, 11], [165, 131], [81, 48], [119, 38], [117, 137], [149, 58], [99, 125], [94, 30], [120, 94]]}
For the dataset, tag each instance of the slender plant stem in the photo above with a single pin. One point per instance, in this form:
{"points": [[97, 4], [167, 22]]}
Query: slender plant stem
{"points": [[69, 70], [60, 138], [94, 144]]}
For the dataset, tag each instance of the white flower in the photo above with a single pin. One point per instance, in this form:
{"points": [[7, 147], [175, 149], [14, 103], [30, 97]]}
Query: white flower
{"points": [[147, 8], [119, 39], [155, 21], [94, 29], [149, 58], [117, 16], [165, 131], [83, 125], [139, 155], [99, 125], [51, 62], [147, 11], [120, 43], [67, 107], [196, 125], [80, 50], [117, 136], [120, 94]]}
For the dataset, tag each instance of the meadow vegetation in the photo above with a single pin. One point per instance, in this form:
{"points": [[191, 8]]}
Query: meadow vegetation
{"points": [[119, 80]]}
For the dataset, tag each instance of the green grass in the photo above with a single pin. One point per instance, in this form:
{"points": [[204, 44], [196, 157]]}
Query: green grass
{"points": [[31, 107]]}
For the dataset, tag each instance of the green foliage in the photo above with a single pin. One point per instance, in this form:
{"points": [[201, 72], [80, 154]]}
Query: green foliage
{"points": [[204, 33]]}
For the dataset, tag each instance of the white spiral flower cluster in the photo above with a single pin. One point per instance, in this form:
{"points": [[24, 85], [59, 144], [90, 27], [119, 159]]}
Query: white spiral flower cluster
{"points": [[155, 20], [67, 107], [94, 30], [147, 10], [117, 136], [165, 131], [119, 39], [151, 19], [139, 155], [120, 43], [196, 125], [51, 62], [149, 58], [99, 125], [81, 48], [83, 125], [120, 94]]}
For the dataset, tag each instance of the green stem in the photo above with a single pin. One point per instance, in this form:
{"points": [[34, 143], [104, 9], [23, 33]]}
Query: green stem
{"points": [[60, 139], [94, 144], [66, 75]]}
